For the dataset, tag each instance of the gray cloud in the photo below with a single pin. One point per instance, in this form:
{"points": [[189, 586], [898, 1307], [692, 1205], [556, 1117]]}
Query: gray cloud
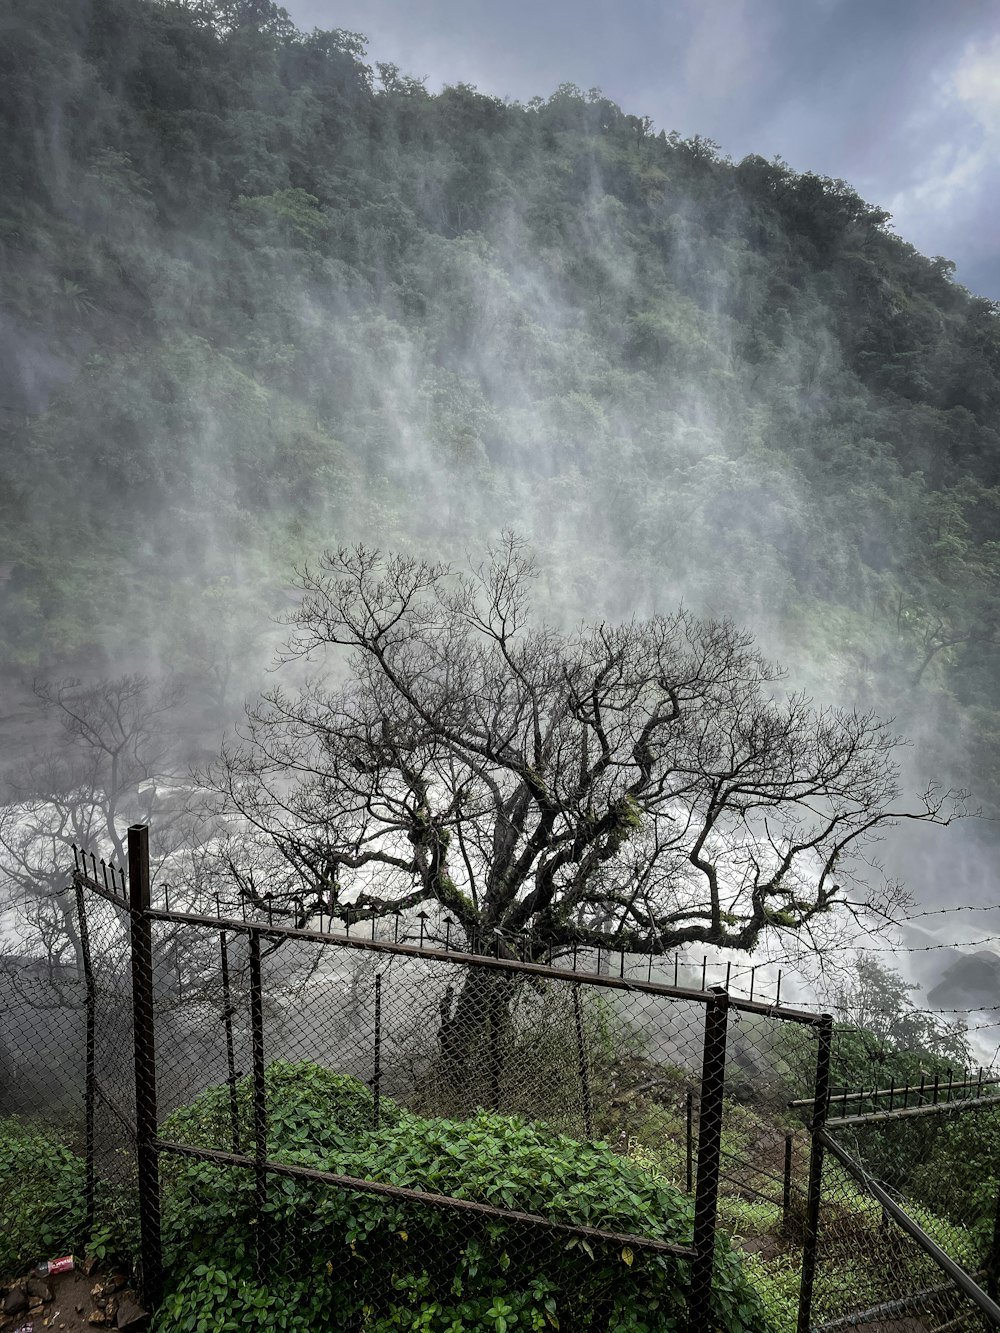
{"points": [[900, 98]]}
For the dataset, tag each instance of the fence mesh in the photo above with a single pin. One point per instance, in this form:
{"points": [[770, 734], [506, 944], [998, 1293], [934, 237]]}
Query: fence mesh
{"points": [[372, 1132], [111, 1090], [543, 1118], [42, 1042], [941, 1165], [872, 1274], [771, 1063]]}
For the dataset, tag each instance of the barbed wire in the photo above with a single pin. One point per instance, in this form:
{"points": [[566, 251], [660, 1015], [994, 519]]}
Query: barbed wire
{"points": [[897, 948], [914, 1009], [962, 907]]}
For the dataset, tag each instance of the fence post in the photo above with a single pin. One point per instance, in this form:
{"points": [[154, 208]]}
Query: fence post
{"points": [[821, 1106], [227, 1017], [90, 1072], [713, 1082], [259, 1097], [583, 1067], [145, 1062]]}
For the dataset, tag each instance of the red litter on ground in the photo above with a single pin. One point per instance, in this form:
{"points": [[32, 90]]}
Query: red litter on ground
{"points": [[62, 1265]]}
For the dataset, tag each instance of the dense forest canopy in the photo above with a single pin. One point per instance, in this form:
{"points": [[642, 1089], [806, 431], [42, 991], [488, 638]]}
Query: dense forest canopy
{"points": [[258, 298]]}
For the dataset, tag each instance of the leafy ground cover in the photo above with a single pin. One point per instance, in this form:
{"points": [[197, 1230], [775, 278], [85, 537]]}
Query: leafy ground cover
{"points": [[41, 1197], [355, 1260]]}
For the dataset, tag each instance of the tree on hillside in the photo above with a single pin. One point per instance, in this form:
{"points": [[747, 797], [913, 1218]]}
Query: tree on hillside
{"points": [[107, 744], [637, 786], [884, 1030]]}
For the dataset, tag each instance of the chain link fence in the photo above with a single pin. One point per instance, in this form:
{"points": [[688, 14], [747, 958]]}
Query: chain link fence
{"points": [[378, 1132], [879, 1266], [442, 1133], [347, 1120], [911, 1210]]}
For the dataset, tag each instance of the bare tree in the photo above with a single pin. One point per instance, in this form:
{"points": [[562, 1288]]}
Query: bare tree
{"points": [[111, 742], [640, 785]]}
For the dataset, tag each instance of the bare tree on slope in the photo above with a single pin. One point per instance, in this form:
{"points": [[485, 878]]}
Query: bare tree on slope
{"points": [[638, 786]]}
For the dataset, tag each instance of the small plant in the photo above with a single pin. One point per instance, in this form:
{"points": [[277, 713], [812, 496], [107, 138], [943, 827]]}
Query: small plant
{"points": [[42, 1199], [777, 1283], [211, 1299]]}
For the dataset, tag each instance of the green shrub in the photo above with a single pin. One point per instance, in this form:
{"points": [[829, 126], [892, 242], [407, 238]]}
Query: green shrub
{"points": [[378, 1264], [307, 1107], [313, 1116], [42, 1209], [958, 1175]]}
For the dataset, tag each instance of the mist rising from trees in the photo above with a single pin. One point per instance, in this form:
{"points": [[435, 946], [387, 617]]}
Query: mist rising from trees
{"points": [[258, 298]]}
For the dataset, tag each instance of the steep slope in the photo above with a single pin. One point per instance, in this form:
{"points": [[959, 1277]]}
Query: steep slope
{"points": [[256, 297]]}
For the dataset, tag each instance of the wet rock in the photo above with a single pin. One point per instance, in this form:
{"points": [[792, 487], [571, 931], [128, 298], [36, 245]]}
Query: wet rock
{"points": [[130, 1312], [15, 1302], [39, 1289]]}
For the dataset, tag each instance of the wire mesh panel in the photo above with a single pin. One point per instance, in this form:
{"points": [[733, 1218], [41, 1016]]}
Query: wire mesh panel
{"points": [[111, 1086], [67, 1077], [939, 1161], [480, 1086], [439, 1034], [42, 1041], [765, 1150], [872, 1274]]}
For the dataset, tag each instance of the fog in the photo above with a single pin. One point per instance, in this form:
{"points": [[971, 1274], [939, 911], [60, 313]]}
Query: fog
{"points": [[417, 344]]}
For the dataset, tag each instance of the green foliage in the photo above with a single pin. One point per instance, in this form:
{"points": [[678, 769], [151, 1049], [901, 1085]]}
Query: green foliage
{"points": [[211, 1299], [396, 1264], [884, 1038], [953, 1175], [41, 1197], [777, 1285], [880, 1039], [308, 1107], [268, 295]]}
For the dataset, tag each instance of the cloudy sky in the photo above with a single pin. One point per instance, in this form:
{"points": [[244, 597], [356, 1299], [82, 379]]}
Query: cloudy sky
{"points": [[899, 97]]}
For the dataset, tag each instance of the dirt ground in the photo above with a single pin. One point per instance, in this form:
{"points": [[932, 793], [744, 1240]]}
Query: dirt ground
{"points": [[82, 1299]]}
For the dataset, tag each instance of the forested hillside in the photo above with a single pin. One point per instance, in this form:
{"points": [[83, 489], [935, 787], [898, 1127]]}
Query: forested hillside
{"points": [[257, 297]]}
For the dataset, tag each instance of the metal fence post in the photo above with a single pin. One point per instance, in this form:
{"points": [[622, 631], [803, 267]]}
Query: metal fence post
{"points": [[821, 1106], [227, 1018], [584, 1069], [90, 1071], [713, 1082], [145, 1062], [259, 1098]]}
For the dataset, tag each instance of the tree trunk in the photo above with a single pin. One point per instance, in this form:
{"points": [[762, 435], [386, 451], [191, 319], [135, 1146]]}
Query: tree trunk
{"points": [[474, 1043]]}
